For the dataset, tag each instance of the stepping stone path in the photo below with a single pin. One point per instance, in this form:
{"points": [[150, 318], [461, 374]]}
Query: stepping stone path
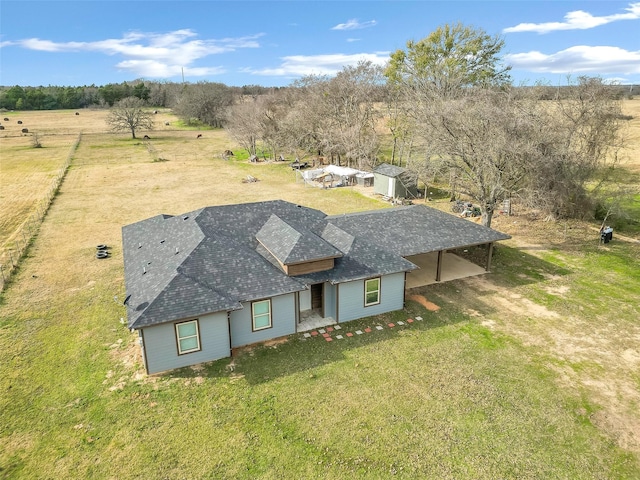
{"points": [[326, 332]]}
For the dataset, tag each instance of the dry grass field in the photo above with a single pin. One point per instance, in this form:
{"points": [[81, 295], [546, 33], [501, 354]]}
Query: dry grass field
{"points": [[631, 154], [74, 400]]}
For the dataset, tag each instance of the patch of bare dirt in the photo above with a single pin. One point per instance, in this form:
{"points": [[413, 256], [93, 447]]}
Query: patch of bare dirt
{"points": [[598, 358], [432, 307]]}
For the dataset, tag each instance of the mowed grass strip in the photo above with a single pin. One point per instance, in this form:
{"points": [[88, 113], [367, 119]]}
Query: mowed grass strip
{"points": [[443, 398]]}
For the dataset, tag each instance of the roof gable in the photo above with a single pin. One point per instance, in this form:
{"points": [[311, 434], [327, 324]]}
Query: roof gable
{"points": [[290, 246]]}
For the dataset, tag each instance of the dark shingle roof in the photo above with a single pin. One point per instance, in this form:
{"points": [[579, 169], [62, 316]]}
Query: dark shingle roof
{"points": [[210, 260], [415, 229], [290, 246], [213, 251], [364, 260], [389, 170], [338, 237]]}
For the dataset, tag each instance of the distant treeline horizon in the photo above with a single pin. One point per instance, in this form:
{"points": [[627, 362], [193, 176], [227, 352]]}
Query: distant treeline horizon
{"points": [[156, 94]]}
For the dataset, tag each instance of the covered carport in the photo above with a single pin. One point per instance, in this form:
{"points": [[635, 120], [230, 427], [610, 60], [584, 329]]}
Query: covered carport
{"points": [[443, 266], [445, 247]]}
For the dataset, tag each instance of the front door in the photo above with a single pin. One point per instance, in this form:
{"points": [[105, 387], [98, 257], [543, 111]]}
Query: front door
{"points": [[316, 298]]}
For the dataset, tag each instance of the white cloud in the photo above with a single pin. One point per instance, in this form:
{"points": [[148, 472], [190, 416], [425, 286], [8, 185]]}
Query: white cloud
{"points": [[616, 80], [577, 20], [153, 54], [350, 40], [580, 59], [354, 24], [330, 64]]}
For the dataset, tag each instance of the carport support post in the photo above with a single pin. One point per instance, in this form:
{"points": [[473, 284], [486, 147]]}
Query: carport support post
{"points": [[439, 266], [489, 255]]}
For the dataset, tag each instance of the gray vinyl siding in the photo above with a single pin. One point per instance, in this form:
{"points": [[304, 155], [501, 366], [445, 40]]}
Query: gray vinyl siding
{"points": [[330, 300], [351, 298], [283, 321], [161, 348]]}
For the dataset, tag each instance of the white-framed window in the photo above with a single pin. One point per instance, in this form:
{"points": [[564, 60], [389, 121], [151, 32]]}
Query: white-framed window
{"points": [[371, 292], [188, 337], [261, 315]]}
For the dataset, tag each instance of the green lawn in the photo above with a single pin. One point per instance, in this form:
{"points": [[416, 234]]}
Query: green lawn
{"points": [[475, 390], [441, 398]]}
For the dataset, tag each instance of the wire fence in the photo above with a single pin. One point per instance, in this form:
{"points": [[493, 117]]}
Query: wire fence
{"points": [[22, 238]]}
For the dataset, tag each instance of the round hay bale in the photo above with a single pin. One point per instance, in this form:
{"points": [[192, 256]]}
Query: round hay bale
{"points": [[25, 130]]}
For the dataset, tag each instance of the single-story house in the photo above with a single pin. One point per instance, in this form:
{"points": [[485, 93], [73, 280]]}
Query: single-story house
{"points": [[202, 283], [393, 182]]}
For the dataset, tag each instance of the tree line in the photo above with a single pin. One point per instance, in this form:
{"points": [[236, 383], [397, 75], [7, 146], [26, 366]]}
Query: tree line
{"points": [[158, 94]]}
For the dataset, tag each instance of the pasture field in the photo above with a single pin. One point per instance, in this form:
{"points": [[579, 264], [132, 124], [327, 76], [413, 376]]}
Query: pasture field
{"points": [[528, 372]]}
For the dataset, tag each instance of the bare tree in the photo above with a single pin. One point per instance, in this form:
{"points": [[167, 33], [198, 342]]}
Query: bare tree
{"points": [[401, 127], [244, 126], [486, 138], [452, 88], [349, 100], [581, 136], [336, 117], [304, 125], [204, 101], [130, 114], [426, 170]]}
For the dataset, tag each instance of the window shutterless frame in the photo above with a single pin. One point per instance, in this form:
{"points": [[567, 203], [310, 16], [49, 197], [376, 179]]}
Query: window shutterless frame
{"points": [[188, 337], [261, 315], [372, 292]]}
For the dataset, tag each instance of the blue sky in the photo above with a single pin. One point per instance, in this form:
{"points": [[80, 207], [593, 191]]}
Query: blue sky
{"points": [[272, 43]]}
